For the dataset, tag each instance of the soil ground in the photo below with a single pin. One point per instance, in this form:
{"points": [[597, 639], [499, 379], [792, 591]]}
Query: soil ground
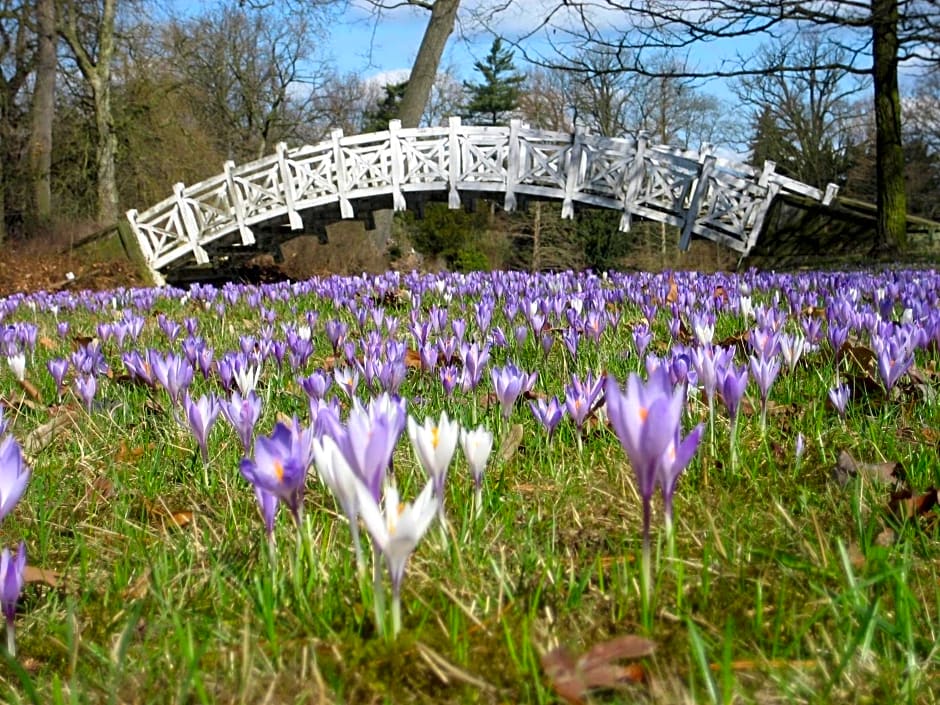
{"points": [[44, 264]]}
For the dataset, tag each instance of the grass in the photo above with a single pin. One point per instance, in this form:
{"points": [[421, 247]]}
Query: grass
{"points": [[783, 586]]}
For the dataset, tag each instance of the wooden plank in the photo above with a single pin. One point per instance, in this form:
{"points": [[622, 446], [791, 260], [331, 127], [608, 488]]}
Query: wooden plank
{"points": [[633, 179]]}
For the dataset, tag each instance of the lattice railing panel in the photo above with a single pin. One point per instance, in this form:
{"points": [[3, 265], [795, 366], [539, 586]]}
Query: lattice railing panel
{"points": [[705, 195]]}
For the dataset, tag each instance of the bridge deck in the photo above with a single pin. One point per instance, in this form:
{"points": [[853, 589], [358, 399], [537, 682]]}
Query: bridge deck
{"points": [[698, 192]]}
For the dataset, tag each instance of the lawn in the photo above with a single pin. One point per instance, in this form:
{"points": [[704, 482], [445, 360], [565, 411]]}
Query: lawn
{"points": [[203, 464]]}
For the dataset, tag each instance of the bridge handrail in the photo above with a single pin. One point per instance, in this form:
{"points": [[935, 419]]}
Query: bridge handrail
{"points": [[703, 193]]}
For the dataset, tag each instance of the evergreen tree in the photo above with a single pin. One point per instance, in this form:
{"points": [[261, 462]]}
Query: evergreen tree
{"points": [[376, 119], [499, 91]]}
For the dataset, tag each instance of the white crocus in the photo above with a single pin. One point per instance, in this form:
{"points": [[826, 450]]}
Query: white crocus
{"points": [[246, 378], [343, 483], [434, 444], [477, 446], [396, 530], [17, 364]]}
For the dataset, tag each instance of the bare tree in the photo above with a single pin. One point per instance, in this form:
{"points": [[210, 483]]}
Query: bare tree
{"points": [[546, 100], [806, 121], [428, 60], [89, 31], [877, 37], [248, 75], [16, 62], [43, 110]]}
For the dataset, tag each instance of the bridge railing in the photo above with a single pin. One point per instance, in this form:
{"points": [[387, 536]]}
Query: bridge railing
{"points": [[697, 191]]}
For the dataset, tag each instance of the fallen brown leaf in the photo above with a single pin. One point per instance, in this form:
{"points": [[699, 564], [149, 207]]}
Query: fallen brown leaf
{"points": [[32, 574], [30, 390], [63, 416], [510, 444], [847, 467], [573, 678], [412, 359], [905, 505]]}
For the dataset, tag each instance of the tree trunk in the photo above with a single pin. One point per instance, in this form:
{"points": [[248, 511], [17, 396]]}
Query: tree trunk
{"points": [[3, 210], [43, 113], [424, 70], [97, 72], [537, 238], [105, 155], [889, 150]]}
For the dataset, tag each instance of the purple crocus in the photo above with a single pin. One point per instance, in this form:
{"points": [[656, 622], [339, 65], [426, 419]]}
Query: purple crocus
{"points": [[14, 474], [86, 386], [368, 438], [268, 504], [509, 382], [764, 370], [280, 464], [58, 367], [202, 415], [173, 372], [549, 413], [243, 413], [895, 357], [673, 463], [580, 397], [11, 585], [475, 358], [839, 398], [645, 419]]}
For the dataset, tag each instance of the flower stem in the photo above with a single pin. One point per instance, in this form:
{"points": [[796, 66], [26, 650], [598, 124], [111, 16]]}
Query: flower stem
{"points": [[646, 584], [396, 613], [11, 639], [378, 595]]}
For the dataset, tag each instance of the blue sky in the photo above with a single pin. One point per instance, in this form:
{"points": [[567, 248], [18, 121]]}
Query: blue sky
{"points": [[370, 45]]}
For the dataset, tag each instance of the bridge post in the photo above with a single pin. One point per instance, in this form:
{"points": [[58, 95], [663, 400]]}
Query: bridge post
{"points": [[453, 163], [575, 157], [513, 167], [755, 222], [707, 163], [190, 226], [238, 204], [397, 165], [339, 164], [287, 187], [633, 173], [142, 239]]}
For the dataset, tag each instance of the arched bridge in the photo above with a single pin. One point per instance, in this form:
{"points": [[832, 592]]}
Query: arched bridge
{"points": [[701, 193]]}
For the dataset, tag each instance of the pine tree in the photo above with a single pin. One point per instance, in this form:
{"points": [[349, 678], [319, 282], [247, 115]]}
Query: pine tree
{"points": [[498, 93], [376, 119]]}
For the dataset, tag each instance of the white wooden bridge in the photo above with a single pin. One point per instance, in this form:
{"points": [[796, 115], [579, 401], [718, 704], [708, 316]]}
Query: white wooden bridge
{"points": [[702, 194]]}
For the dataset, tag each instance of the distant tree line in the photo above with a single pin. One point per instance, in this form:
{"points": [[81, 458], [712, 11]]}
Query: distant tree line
{"points": [[103, 109]]}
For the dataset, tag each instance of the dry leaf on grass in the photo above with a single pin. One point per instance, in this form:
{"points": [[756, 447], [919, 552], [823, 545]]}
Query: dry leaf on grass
{"points": [[167, 518], [30, 390], [573, 678], [32, 574], [847, 467], [62, 416], [905, 505], [510, 444]]}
